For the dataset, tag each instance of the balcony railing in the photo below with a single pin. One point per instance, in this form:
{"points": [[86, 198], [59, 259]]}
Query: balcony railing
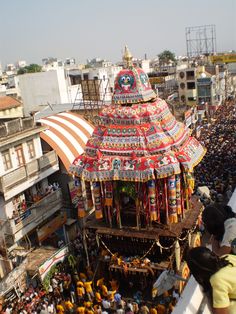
{"points": [[27, 171], [37, 210]]}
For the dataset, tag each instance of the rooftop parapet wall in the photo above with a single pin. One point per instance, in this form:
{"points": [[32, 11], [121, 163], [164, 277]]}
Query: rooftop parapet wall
{"points": [[15, 126]]}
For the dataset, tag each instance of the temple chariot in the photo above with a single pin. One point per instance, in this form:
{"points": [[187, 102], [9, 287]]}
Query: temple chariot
{"points": [[137, 172]]}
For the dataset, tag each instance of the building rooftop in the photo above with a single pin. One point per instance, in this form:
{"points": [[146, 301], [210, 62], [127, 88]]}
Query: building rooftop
{"points": [[7, 102]]}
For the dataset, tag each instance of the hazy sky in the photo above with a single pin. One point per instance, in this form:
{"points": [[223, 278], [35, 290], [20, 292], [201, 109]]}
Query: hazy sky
{"points": [[34, 29]]}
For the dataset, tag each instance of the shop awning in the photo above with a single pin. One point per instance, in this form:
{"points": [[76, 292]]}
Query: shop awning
{"points": [[67, 134]]}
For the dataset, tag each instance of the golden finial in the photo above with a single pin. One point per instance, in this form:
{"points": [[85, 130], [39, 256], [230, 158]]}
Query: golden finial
{"points": [[127, 57]]}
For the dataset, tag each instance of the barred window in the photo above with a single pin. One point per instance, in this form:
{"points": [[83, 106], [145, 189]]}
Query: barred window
{"points": [[31, 150], [6, 157]]}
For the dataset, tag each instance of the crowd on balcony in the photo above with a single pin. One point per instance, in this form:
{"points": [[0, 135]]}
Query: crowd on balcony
{"points": [[22, 205], [41, 193]]}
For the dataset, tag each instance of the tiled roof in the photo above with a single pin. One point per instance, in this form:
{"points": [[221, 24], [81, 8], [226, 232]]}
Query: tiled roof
{"points": [[7, 102]]}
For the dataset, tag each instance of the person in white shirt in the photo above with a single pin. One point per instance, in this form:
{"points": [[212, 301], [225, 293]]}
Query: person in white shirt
{"points": [[120, 310], [51, 308], [54, 283], [130, 305], [106, 304]]}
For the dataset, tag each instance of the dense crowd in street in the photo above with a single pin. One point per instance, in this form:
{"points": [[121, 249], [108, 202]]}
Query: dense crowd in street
{"points": [[217, 170], [73, 288]]}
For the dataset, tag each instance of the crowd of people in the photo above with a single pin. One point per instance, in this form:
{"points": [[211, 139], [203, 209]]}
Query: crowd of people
{"points": [[73, 287], [214, 267], [217, 170], [73, 290]]}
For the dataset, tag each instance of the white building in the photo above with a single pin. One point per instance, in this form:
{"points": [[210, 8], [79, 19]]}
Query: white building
{"points": [[37, 90], [63, 86], [21, 64], [30, 211], [106, 77], [187, 86]]}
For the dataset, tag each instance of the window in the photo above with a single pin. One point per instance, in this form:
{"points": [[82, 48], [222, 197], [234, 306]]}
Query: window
{"points": [[31, 150], [20, 155], [181, 75], [182, 85], [75, 79], [190, 75], [6, 157], [191, 85], [182, 98]]}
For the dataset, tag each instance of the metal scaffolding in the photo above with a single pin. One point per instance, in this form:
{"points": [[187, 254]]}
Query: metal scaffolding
{"points": [[200, 40], [91, 96]]}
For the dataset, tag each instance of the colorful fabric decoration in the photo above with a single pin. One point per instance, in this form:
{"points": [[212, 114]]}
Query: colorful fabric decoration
{"points": [[139, 140], [137, 143], [173, 218], [158, 200], [97, 200], [190, 182], [196, 240], [186, 192], [178, 194], [165, 200], [109, 199], [81, 208], [132, 86], [108, 193], [89, 197], [152, 200], [184, 273]]}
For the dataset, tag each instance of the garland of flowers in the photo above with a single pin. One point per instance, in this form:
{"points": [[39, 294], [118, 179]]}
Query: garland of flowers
{"points": [[191, 231]]}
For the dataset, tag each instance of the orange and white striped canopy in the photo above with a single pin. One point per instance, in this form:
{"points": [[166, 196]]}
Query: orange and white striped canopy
{"points": [[67, 134]]}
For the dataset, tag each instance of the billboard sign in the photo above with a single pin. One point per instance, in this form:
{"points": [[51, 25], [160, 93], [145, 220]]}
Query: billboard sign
{"points": [[227, 58], [73, 190], [59, 256]]}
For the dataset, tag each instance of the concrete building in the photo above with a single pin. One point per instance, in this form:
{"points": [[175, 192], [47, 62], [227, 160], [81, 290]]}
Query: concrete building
{"points": [[98, 63], [203, 87], [37, 90], [62, 86], [30, 210], [210, 88], [105, 77], [21, 64], [10, 108], [187, 86]]}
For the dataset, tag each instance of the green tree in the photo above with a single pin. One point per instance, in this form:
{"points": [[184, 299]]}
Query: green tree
{"points": [[32, 68], [166, 56]]}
